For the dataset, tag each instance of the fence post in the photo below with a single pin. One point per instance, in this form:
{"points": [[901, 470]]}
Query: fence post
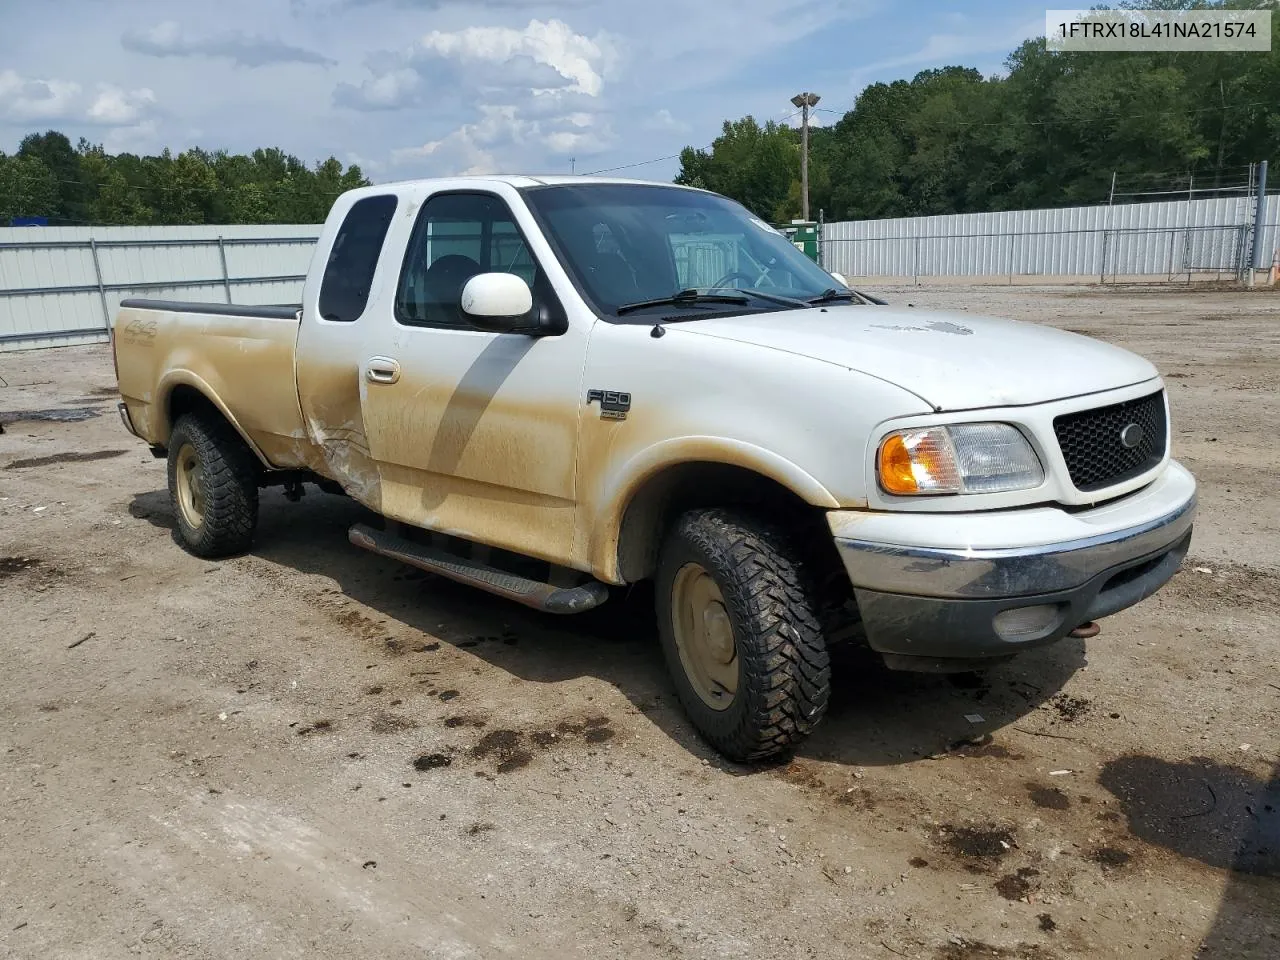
{"points": [[226, 278], [102, 291], [1011, 238], [915, 260], [1102, 270], [1261, 257]]}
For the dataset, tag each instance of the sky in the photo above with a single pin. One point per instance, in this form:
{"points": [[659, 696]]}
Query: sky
{"points": [[413, 88]]}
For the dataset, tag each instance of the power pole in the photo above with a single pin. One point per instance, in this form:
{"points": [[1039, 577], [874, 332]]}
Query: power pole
{"points": [[804, 101]]}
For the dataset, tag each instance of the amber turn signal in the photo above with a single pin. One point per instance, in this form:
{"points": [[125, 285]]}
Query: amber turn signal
{"points": [[961, 458], [896, 474]]}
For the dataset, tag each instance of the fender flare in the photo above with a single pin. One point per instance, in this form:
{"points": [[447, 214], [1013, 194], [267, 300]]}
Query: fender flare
{"points": [[174, 379], [630, 478]]}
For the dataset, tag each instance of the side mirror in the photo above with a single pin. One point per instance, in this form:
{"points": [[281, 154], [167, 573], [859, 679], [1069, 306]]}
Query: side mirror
{"points": [[841, 279], [497, 302]]}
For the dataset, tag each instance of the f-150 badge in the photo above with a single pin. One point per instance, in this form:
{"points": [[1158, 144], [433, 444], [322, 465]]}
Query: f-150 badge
{"points": [[613, 404]]}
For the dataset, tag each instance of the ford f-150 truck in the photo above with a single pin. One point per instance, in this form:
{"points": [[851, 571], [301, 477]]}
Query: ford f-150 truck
{"points": [[548, 386]]}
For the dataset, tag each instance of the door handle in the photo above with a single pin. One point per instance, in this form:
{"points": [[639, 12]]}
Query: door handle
{"points": [[382, 370]]}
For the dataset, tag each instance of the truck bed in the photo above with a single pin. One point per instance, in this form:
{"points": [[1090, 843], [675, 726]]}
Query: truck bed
{"points": [[241, 355]]}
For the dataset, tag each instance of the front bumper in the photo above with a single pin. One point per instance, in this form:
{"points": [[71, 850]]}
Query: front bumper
{"points": [[936, 590]]}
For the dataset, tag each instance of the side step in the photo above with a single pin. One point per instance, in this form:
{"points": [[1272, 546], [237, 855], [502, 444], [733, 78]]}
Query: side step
{"points": [[531, 593]]}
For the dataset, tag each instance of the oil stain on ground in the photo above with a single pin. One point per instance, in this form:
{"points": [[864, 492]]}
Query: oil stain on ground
{"points": [[1048, 798], [513, 750], [980, 846], [504, 746], [962, 949], [1221, 815], [83, 457], [1015, 886], [12, 566], [53, 415]]}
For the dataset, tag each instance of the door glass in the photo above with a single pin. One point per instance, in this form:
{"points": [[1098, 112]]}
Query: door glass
{"points": [[457, 236]]}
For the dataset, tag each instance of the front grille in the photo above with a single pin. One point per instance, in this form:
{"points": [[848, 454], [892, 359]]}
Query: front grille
{"points": [[1092, 447]]}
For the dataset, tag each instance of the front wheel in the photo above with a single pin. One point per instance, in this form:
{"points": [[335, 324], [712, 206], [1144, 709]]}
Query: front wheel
{"points": [[740, 634], [213, 485]]}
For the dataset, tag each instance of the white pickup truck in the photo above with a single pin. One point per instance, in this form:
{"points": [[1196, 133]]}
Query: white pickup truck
{"points": [[549, 386]]}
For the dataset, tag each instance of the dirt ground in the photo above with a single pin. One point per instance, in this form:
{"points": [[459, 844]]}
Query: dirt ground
{"points": [[309, 751]]}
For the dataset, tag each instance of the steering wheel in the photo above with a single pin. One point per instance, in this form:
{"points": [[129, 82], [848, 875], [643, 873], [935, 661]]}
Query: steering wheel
{"points": [[736, 274]]}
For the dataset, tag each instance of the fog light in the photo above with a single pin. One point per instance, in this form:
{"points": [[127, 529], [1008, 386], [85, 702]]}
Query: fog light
{"points": [[1023, 623]]}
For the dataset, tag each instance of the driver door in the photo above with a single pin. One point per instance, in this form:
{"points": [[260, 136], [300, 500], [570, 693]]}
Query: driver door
{"points": [[473, 433]]}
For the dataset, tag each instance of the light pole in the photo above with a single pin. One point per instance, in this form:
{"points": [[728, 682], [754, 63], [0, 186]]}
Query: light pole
{"points": [[804, 101]]}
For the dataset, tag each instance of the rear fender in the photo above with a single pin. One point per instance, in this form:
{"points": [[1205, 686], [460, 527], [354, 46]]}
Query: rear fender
{"points": [[175, 379]]}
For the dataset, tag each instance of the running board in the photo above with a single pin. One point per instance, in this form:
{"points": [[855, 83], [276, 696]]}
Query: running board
{"points": [[531, 593]]}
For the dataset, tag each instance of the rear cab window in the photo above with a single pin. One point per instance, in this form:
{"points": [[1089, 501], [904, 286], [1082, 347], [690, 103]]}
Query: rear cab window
{"points": [[348, 276]]}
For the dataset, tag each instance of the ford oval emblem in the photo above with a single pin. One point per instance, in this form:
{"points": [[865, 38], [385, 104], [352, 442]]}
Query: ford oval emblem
{"points": [[1131, 436]]}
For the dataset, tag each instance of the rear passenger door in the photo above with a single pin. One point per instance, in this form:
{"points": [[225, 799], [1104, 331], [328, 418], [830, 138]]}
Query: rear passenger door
{"points": [[474, 433], [332, 343]]}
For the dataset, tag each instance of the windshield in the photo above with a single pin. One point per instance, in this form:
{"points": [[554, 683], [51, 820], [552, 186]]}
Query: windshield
{"points": [[624, 244]]}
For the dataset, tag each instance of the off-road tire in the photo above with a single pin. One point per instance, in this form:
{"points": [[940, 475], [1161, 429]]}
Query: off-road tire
{"points": [[229, 478], [784, 679]]}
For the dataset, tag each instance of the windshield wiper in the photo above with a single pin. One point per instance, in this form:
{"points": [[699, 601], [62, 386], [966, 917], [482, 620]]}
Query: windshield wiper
{"points": [[831, 294], [682, 298], [770, 297]]}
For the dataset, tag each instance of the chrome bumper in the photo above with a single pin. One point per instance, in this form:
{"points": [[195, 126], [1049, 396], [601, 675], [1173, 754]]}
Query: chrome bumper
{"points": [[929, 606], [126, 419], [1011, 571]]}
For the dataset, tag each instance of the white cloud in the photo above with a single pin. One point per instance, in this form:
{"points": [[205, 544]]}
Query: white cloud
{"points": [[116, 107], [138, 138], [386, 91], [578, 59], [23, 99], [167, 40], [502, 132]]}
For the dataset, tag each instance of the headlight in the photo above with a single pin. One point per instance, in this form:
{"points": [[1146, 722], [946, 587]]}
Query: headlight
{"points": [[967, 458]]}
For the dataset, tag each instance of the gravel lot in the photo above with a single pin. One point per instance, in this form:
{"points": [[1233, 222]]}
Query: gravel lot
{"points": [[310, 751]]}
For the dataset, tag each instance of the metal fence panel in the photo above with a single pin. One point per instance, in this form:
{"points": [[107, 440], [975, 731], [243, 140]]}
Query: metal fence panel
{"points": [[61, 285], [1164, 239]]}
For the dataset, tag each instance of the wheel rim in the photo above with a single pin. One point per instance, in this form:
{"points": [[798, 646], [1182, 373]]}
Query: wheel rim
{"points": [[704, 636], [190, 486]]}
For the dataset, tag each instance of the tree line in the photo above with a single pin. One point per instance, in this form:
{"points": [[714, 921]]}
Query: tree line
{"points": [[48, 177], [1049, 132]]}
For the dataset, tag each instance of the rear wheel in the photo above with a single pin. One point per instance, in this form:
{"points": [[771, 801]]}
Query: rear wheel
{"points": [[213, 485], [740, 634]]}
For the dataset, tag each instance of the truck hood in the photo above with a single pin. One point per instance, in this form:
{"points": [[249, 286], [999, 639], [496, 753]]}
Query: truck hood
{"points": [[952, 361]]}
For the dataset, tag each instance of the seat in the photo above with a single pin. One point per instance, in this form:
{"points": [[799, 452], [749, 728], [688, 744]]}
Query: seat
{"points": [[442, 288]]}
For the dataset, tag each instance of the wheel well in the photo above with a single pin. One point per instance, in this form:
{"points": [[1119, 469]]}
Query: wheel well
{"points": [[184, 399], [665, 496]]}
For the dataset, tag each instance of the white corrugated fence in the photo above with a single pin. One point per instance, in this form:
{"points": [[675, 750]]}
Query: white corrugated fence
{"points": [[1177, 239], [59, 285]]}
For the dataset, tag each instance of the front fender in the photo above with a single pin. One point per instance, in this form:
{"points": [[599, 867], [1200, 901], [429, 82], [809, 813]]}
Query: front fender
{"points": [[621, 484]]}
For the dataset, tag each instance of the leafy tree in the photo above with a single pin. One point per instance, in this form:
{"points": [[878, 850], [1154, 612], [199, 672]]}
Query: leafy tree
{"points": [[1050, 131], [85, 184], [28, 188], [756, 165]]}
